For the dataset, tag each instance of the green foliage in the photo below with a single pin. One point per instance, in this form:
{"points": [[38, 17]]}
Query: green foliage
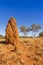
{"points": [[24, 30], [41, 34], [35, 28]]}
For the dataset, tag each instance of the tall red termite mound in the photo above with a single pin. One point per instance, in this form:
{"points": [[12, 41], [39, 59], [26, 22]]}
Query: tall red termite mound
{"points": [[12, 35]]}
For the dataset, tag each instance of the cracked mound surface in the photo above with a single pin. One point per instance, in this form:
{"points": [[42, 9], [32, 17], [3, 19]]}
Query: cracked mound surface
{"points": [[12, 35]]}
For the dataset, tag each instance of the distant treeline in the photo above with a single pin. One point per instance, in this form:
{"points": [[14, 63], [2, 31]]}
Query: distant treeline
{"points": [[2, 37], [34, 29], [40, 35]]}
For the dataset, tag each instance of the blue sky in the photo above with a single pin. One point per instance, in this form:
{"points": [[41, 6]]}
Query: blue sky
{"points": [[26, 12]]}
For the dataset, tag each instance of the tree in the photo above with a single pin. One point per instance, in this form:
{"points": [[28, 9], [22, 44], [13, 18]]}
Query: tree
{"points": [[35, 28], [24, 30], [27, 30], [2, 37], [41, 34]]}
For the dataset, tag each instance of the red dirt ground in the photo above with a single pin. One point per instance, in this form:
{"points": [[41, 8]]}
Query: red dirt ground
{"points": [[30, 52]]}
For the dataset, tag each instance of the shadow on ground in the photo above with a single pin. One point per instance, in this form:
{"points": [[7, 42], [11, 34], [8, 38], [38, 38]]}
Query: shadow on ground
{"points": [[2, 42]]}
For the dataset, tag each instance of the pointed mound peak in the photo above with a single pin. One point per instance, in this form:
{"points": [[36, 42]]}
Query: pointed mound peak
{"points": [[12, 19]]}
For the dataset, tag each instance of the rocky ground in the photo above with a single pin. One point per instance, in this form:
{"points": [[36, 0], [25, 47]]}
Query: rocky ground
{"points": [[31, 52]]}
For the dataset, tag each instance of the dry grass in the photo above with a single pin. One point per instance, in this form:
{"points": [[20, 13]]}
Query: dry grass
{"points": [[31, 52]]}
